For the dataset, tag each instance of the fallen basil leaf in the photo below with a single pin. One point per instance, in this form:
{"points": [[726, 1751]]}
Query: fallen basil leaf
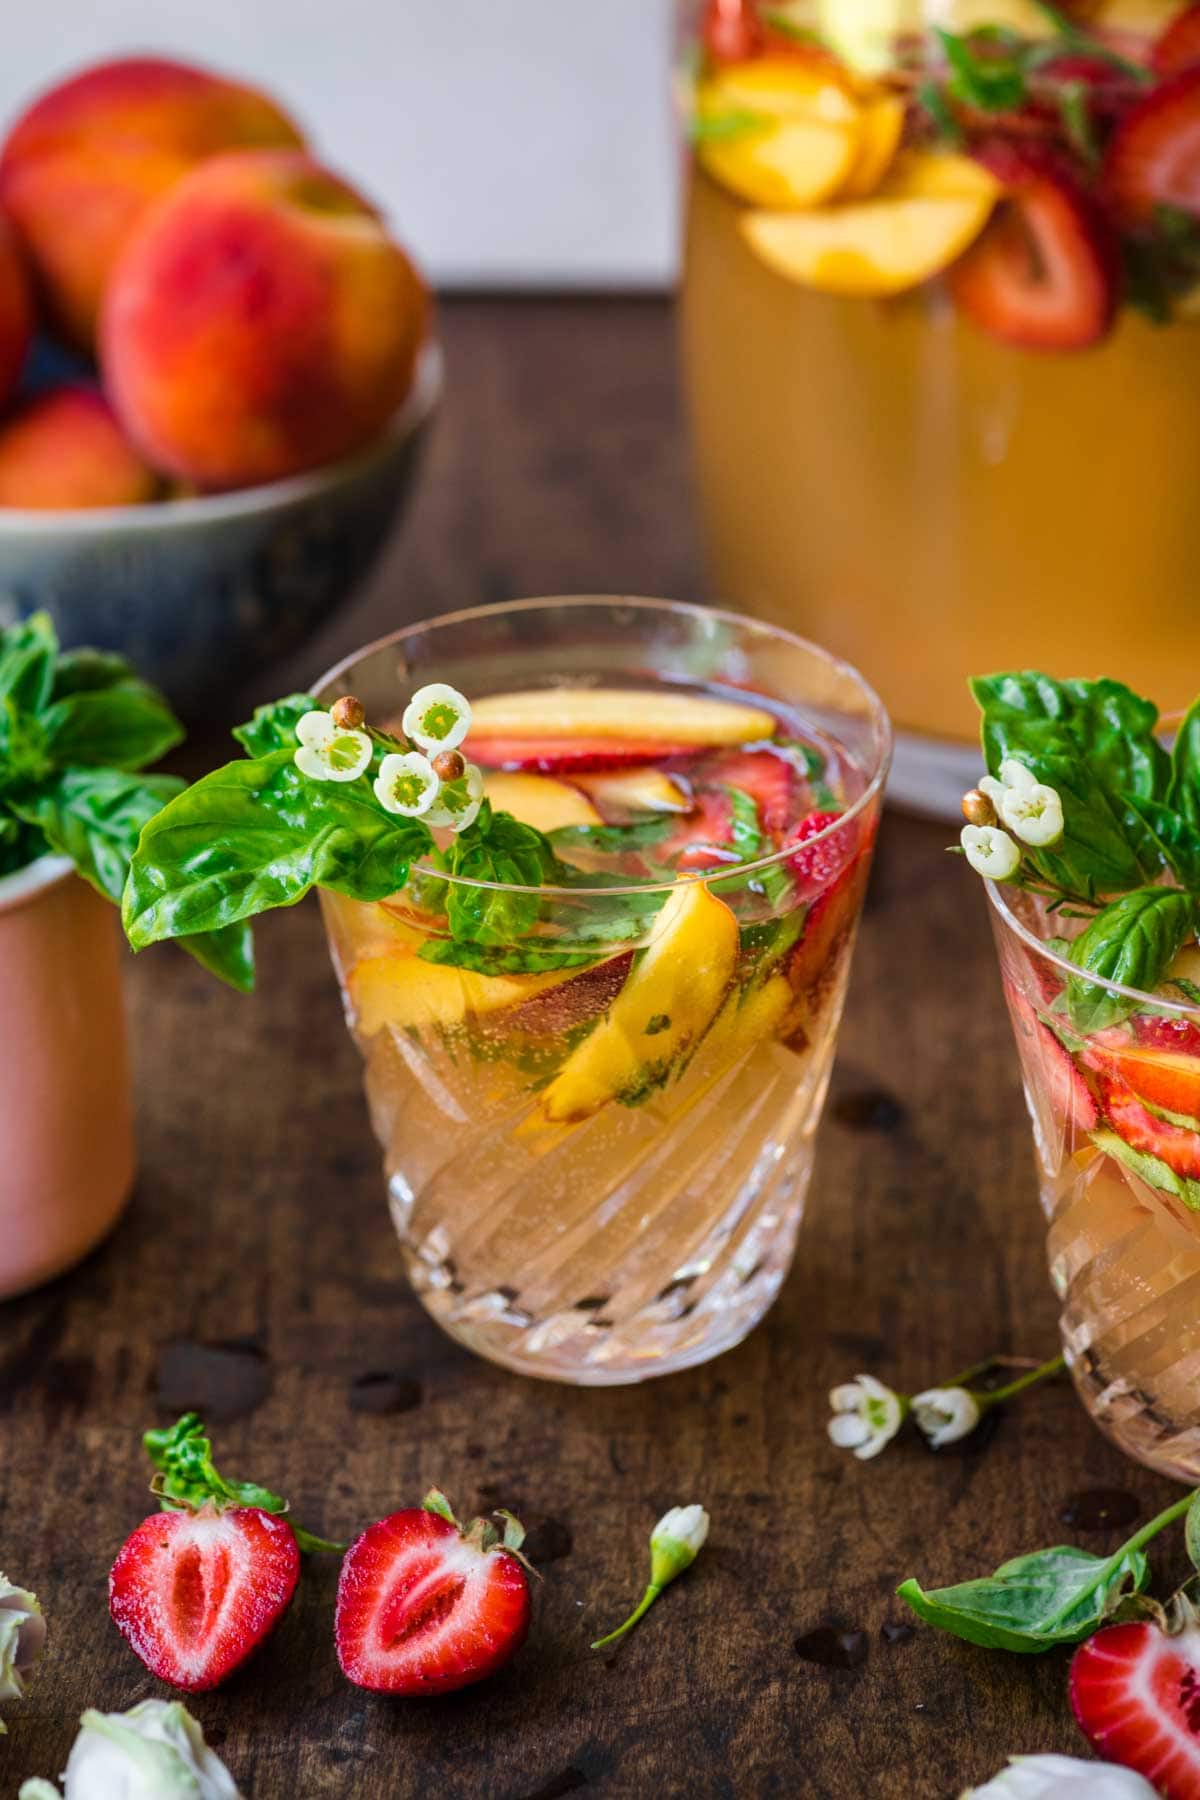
{"points": [[1031, 1603]]}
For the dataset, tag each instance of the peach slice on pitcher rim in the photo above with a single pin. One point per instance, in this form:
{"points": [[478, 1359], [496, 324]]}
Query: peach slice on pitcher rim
{"points": [[794, 133]]}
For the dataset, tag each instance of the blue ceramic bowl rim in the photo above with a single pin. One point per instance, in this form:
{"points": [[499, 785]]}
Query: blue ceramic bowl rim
{"points": [[206, 509]]}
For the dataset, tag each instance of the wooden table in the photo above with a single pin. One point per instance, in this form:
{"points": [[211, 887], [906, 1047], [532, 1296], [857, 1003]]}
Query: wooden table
{"points": [[257, 1277]]}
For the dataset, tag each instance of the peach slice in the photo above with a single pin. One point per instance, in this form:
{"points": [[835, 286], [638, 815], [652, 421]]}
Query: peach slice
{"points": [[880, 127], [795, 131], [668, 1002], [540, 801], [915, 226], [677, 719], [401, 990], [636, 791]]}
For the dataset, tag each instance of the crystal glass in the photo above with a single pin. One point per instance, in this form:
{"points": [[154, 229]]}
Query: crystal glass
{"points": [[1114, 1113], [904, 463], [582, 1192]]}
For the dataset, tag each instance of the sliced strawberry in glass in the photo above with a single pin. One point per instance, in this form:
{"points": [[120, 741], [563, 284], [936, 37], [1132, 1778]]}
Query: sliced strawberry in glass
{"points": [[1153, 157], [769, 779], [1179, 46], [1045, 274], [1143, 1131], [550, 756]]}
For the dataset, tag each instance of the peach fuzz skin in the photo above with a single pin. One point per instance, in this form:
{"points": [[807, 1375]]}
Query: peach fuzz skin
{"points": [[16, 311], [81, 165], [261, 323], [64, 448]]}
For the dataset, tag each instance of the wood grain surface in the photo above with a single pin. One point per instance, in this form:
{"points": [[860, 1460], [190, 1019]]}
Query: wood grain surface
{"points": [[257, 1278]]}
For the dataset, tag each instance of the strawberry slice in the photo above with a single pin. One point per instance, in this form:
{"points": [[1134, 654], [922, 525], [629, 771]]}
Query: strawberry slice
{"points": [[1064, 1084], [1135, 1692], [1163, 1033], [703, 839], [194, 1593], [770, 780], [424, 1607], [1153, 157], [1174, 1145], [1179, 46], [819, 865], [549, 756], [1045, 274]]}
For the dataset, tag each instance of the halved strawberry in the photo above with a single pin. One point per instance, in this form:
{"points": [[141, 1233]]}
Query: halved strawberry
{"points": [[1045, 273], [818, 865], [1153, 157], [1179, 46], [704, 838], [841, 863], [548, 756], [1135, 1692], [1174, 1145], [424, 1607], [195, 1592], [769, 779]]}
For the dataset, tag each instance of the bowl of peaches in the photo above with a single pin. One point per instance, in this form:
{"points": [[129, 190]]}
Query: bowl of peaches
{"points": [[217, 367]]}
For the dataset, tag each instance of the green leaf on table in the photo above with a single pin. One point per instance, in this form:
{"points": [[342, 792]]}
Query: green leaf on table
{"points": [[1133, 942], [122, 726], [273, 727], [1031, 1603], [256, 835], [1192, 1530], [1101, 722], [187, 1478], [1184, 791]]}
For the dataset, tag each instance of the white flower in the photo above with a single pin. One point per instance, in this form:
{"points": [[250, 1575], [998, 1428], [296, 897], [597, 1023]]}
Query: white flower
{"points": [[945, 1414], [866, 1416], [22, 1638], [1015, 776], [329, 754], [675, 1542], [437, 717], [155, 1751], [990, 851], [406, 784], [459, 801], [987, 784], [1062, 1778], [1034, 813]]}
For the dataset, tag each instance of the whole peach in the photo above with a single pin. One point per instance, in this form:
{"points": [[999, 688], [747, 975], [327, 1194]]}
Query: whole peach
{"points": [[260, 322], [16, 311], [81, 165], [64, 448]]}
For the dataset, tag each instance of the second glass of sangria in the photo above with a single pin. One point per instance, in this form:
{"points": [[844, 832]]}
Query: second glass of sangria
{"points": [[939, 318]]}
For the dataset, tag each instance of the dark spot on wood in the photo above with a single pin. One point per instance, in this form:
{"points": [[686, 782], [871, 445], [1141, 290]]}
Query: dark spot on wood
{"points": [[896, 1632], [832, 1648], [223, 1380], [384, 1391], [592, 1302], [21, 1369], [567, 1781], [859, 1343], [1099, 1509], [67, 1382], [868, 1109], [548, 1540], [474, 1452], [740, 1419]]}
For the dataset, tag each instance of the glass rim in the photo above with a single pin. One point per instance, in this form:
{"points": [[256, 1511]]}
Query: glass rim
{"points": [[687, 608], [1182, 1009]]}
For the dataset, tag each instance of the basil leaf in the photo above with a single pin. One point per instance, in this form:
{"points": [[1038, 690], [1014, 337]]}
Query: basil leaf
{"points": [[1132, 941], [710, 128], [993, 84], [1164, 839], [743, 826], [1102, 722], [1095, 854], [85, 671], [256, 835], [533, 957], [1033, 1602], [95, 817], [1184, 791], [273, 727], [1192, 1530], [227, 953], [27, 653], [613, 838], [497, 848], [123, 726]]}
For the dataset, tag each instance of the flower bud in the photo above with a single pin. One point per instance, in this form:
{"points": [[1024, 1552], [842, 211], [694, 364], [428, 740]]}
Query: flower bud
{"points": [[675, 1542], [977, 809], [945, 1414], [347, 713], [448, 765], [990, 852]]}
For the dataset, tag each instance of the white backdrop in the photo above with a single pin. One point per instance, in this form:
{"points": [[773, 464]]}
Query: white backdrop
{"points": [[513, 142]]}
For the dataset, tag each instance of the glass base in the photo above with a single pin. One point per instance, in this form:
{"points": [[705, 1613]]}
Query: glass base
{"points": [[930, 775]]}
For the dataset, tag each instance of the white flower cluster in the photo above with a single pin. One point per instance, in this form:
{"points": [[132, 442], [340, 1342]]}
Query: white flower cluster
{"points": [[1062, 1778], [1032, 812], [437, 720], [867, 1415], [22, 1639], [155, 1751]]}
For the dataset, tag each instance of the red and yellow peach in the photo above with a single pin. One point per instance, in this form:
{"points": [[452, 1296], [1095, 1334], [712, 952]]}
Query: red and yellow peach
{"points": [[16, 311], [64, 448]]}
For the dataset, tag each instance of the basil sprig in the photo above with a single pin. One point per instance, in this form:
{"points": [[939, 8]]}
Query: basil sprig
{"points": [[1031, 1603], [1131, 819], [76, 727]]}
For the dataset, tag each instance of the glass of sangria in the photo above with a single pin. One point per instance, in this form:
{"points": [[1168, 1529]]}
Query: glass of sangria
{"points": [[1115, 1105], [598, 1118], [939, 306]]}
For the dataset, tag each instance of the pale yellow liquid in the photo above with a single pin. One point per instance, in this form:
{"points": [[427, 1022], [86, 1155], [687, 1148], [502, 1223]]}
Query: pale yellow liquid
{"points": [[929, 503]]}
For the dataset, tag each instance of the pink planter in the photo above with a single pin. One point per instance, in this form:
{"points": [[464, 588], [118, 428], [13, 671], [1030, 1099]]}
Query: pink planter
{"points": [[66, 1122]]}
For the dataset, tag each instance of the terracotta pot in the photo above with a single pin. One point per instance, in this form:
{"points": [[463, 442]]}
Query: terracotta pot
{"points": [[66, 1120]]}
